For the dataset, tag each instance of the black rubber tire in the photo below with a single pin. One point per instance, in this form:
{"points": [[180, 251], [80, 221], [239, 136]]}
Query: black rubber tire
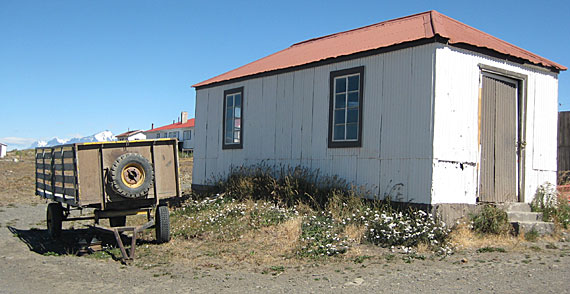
{"points": [[118, 221], [54, 217], [117, 182], [162, 224]]}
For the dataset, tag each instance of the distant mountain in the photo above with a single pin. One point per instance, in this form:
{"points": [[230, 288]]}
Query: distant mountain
{"points": [[104, 136]]}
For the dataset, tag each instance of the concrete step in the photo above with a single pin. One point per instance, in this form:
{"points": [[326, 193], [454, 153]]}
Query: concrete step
{"points": [[515, 206], [518, 216], [542, 228]]}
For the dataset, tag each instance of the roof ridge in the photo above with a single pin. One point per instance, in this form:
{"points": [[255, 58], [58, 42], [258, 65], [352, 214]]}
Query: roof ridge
{"points": [[362, 28]]}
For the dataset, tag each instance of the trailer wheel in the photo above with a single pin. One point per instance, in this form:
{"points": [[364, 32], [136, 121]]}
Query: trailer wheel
{"points": [[118, 221], [162, 224], [131, 175], [54, 219]]}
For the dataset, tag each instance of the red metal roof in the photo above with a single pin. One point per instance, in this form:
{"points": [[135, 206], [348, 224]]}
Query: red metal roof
{"points": [[129, 133], [178, 125], [401, 30]]}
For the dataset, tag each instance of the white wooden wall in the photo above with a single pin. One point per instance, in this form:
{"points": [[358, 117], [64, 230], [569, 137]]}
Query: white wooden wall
{"points": [[286, 123], [456, 125]]}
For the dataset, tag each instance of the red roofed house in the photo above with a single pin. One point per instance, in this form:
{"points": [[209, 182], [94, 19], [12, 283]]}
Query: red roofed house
{"points": [[423, 108], [131, 136], [183, 130]]}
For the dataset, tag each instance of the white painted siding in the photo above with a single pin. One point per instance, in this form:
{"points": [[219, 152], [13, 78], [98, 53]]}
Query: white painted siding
{"points": [[286, 123], [3, 150], [456, 150]]}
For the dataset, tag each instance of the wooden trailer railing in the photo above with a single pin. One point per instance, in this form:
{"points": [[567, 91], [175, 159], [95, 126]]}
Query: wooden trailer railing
{"points": [[57, 175]]}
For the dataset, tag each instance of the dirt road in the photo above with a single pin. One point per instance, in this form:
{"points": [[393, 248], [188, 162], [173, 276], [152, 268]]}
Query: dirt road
{"points": [[30, 263]]}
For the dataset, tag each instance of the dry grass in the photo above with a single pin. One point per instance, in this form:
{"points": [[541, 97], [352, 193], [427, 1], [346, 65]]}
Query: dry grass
{"points": [[185, 166], [17, 178], [355, 233], [463, 238], [266, 246]]}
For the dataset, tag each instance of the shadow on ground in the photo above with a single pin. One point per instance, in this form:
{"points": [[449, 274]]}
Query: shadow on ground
{"points": [[72, 242]]}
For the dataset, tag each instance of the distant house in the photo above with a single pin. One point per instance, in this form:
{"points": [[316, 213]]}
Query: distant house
{"points": [[183, 130], [131, 136], [423, 109], [3, 148]]}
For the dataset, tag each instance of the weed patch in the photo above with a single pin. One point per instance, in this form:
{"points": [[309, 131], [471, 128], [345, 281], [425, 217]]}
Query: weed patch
{"points": [[491, 249], [554, 208], [531, 235], [491, 220]]}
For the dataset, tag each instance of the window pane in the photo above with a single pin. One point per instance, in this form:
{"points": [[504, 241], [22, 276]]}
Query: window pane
{"points": [[237, 100], [340, 101], [237, 123], [229, 116], [237, 111], [339, 116], [338, 132], [352, 116], [236, 137], [340, 85], [230, 101], [351, 131], [353, 83], [229, 127], [353, 99]]}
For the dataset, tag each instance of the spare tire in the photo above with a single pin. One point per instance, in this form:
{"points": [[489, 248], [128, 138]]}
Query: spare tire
{"points": [[131, 175]]}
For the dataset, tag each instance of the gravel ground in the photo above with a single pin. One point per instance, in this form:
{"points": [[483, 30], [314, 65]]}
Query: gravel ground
{"points": [[27, 265]]}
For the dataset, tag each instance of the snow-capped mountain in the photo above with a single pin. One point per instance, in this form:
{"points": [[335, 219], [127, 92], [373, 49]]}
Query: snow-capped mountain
{"points": [[104, 136]]}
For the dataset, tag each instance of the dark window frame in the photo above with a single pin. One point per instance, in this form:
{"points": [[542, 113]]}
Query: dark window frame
{"points": [[333, 75], [233, 145]]}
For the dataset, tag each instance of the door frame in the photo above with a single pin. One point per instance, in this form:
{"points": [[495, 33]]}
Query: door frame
{"points": [[521, 82]]}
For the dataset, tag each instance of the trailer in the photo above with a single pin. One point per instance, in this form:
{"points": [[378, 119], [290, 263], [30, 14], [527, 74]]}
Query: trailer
{"points": [[115, 179]]}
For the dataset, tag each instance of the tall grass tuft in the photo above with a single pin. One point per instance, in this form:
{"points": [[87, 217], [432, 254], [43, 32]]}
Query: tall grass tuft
{"points": [[289, 186]]}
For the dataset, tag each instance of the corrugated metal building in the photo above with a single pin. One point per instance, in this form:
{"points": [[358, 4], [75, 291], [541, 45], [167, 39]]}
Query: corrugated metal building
{"points": [[422, 108]]}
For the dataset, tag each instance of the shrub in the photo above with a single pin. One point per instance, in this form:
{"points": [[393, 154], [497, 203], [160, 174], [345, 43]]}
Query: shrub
{"points": [[331, 205], [491, 220], [408, 229], [321, 235], [554, 208]]}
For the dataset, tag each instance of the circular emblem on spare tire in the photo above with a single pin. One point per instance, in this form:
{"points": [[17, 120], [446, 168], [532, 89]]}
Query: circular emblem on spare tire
{"points": [[131, 175]]}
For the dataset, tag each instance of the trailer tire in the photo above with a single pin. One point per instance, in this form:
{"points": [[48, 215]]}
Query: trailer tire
{"points": [[162, 224], [54, 219], [131, 175], [118, 221]]}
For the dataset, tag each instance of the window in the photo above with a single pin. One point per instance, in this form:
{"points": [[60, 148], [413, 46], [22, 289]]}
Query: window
{"points": [[187, 135], [233, 119], [172, 135], [345, 107]]}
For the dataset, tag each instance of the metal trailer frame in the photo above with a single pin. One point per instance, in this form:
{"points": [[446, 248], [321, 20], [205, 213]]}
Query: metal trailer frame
{"points": [[77, 175]]}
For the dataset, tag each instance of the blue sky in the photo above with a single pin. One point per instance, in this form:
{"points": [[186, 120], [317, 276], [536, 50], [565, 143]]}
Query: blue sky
{"points": [[76, 67]]}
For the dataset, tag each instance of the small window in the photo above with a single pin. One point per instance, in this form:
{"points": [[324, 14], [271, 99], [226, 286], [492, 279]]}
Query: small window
{"points": [[187, 135], [173, 135], [233, 119], [345, 108]]}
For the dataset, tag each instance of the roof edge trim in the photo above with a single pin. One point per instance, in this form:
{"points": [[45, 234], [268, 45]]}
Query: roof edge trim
{"points": [[435, 39]]}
